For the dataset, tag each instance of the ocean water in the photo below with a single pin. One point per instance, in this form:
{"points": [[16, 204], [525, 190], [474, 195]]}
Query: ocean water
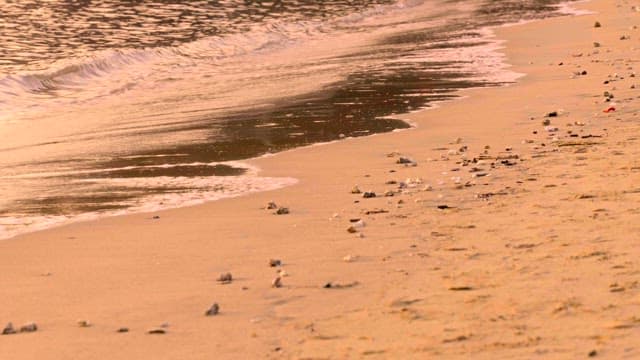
{"points": [[116, 106]]}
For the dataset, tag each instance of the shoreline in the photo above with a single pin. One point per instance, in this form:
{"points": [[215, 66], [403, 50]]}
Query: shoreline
{"points": [[507, 78], [526, 256]]}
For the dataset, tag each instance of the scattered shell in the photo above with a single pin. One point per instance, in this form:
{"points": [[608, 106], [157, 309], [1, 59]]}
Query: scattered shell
{"points": [[359, 224], [225, 278], [213, 310], [282, 273], [275, 262], [29, 327], [350, 258], [8, 330], [277, 282]]}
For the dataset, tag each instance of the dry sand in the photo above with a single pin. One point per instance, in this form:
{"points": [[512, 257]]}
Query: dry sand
{"points": [[537, 259]]}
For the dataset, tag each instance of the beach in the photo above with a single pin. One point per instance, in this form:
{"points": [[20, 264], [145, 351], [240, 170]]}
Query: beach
{"points": [[504, 225]]}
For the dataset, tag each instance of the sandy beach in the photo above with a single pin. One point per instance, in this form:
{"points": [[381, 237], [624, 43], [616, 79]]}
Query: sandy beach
{"points": [[504, 226]]}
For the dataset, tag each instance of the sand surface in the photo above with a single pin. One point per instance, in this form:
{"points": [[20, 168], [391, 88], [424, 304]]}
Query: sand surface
{"points": [[535, 256]]}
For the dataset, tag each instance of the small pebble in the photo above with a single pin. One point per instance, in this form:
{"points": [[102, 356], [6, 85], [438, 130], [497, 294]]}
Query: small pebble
{"points": [[597, 24], [277, 282], [271, 205], [156, 331], [8, 330], [369, 194], [213, 310], [225, 278], [84, 323], [282, 211], [30, 327], [123, 330], [274, 262]]}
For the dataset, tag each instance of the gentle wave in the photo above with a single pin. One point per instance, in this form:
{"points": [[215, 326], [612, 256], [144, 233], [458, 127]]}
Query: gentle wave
{"points": [[109, 72]]}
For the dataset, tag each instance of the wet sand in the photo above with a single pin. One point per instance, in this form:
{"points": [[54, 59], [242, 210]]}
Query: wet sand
{"points": [[515, 236]]}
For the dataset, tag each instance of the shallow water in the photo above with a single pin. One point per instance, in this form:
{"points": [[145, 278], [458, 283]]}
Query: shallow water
{"points": [[108, 107]]}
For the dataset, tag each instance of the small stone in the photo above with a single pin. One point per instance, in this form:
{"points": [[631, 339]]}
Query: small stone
{"points": [[596, 44], [277, 282], [213, 310], [552, 114], [369, 194], [225, 278], [271, 205], [156, 331], [122, 330], [593, 353], [352, 230], [274, 262], [29, 327], [356, 190], [389, 193], [84, 323], [597, 24], [282, 211], [406, 161], [8, 330], [444, 207]]}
